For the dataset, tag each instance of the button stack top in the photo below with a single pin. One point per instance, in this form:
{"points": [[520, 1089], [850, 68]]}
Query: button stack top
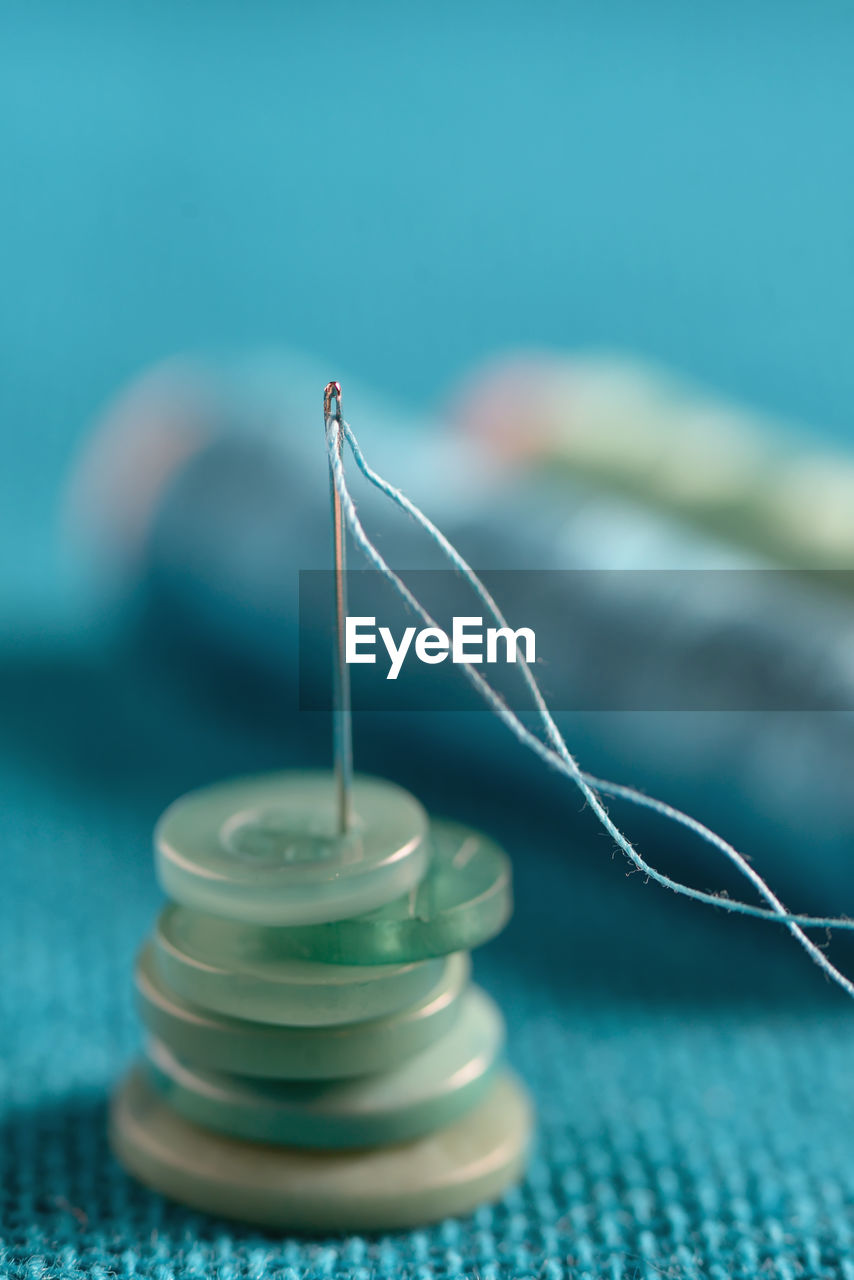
{"points": [[265, 850], [257, 879]]}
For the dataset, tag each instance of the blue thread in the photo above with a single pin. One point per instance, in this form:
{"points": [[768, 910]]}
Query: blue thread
{"points": [[558, 755]]}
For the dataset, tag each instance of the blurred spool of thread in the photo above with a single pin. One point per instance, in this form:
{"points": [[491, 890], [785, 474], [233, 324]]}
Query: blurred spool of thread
{"points": [[641, 432], [203, 485]]}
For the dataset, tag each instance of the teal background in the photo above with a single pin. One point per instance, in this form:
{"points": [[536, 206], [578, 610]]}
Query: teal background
{"points": [[404, 189]]}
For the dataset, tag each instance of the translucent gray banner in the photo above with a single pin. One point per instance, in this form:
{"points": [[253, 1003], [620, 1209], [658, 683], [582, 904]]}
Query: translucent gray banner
{"points": [[603, 640]]}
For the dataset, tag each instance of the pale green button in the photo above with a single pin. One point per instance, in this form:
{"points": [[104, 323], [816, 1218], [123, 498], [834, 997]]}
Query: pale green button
{"points": [[266, 849], [292, 993], [465, 898], [431, 1089], [447, 1173], [228, 1044]]}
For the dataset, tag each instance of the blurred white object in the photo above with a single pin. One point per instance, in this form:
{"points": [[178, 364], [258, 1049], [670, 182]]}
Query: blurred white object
{"points": [[639, 431]]}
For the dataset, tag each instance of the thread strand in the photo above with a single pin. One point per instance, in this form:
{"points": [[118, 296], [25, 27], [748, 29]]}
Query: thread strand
{"points": [[555, 752]]}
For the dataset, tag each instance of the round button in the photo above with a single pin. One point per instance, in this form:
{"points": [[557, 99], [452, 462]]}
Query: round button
{"points": [[289, 993], [464, 899], [450, 1172], [218, 1042], [267, 850], [431, 1089]]}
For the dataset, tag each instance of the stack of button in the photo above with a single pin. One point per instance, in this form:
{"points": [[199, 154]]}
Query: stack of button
{"points": [[316, 1056]]}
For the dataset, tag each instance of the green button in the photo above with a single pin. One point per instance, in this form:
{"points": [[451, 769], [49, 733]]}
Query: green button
{"points": [[450, 1172], [430, 1090], [266, 849], [290, 993], [297, 1053], [464, 899]]}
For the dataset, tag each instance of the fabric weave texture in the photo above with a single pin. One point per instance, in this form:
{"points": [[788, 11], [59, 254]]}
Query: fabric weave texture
{"points": [[692, 1073]]}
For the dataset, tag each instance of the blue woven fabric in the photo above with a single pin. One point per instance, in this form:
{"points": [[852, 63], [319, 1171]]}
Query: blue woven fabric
{"points": [[692, 1073]]}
